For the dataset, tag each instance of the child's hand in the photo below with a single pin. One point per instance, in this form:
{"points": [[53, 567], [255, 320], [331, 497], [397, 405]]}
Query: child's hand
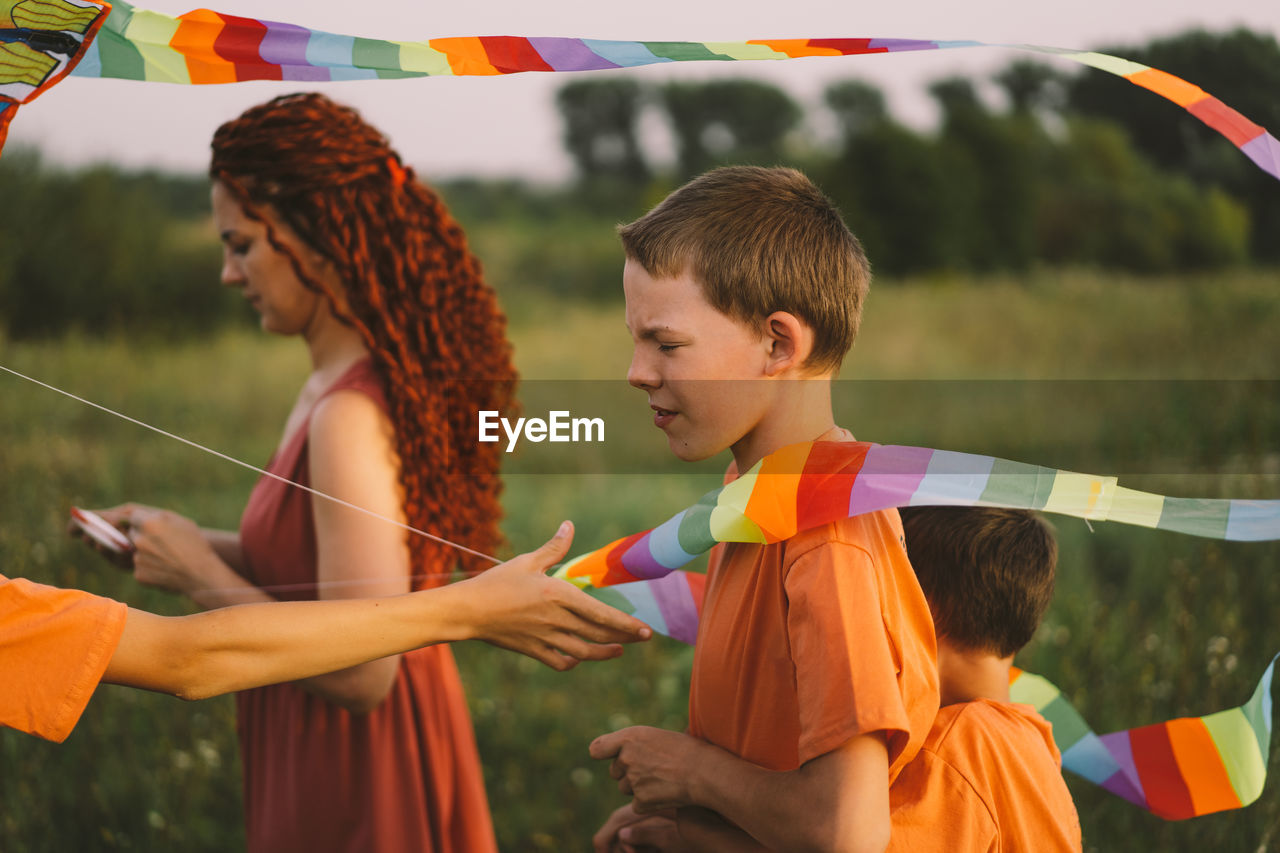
{"points": [[658, 833], [606, 838], [517, 606], [652, 765]]}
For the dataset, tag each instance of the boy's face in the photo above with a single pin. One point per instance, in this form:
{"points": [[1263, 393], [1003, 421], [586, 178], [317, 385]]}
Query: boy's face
{"points": [[695, 363]]}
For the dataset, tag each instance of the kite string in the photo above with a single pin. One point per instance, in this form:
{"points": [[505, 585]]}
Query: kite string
{"points": [[255, 468]]}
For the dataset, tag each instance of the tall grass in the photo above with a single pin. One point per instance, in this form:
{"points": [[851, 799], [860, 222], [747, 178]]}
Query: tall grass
{"points": [[1172, 384]]}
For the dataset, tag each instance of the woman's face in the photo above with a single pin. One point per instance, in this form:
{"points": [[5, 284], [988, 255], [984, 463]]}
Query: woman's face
{"points": [[265, 276]]}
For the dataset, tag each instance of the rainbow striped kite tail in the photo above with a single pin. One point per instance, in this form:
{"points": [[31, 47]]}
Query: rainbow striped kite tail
{"points": [[1183, 768]]}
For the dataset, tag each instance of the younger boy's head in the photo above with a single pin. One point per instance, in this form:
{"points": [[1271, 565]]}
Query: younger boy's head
{"points": [[758, 241], [987, 573]]}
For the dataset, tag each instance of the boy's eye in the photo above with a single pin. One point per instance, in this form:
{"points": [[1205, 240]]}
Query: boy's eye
{"points": [[239, 248], [667, 347]]}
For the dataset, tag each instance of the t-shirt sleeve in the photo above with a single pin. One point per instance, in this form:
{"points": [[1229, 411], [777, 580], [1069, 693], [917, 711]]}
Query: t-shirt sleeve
{"points": [[932, 807], [845, 661], [55, 645]]}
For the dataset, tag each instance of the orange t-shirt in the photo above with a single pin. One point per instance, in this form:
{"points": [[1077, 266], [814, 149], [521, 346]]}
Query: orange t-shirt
{"points": [[808, 643], [988, 778], [54, 646]]}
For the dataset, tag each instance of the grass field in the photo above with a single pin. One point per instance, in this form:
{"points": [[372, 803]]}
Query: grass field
{"points": [[1171, 384]]}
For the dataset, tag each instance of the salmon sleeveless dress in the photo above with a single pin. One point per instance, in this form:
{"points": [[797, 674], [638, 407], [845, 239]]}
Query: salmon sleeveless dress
{"points": [[404, 777]]}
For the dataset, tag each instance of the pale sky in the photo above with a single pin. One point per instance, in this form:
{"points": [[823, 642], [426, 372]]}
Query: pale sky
{"points": [[508, 125]]}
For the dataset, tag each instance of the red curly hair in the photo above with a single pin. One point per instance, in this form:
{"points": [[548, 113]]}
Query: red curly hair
{"points": [[413, 291]]}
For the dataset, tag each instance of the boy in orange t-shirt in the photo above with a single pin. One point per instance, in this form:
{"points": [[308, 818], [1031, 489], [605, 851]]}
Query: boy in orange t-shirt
{"points": [[988, 777], [57, 644], [814, 678]]}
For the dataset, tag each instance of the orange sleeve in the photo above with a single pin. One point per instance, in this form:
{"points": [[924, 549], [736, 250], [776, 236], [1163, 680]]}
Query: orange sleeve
{"points": [[54, 646], [846, 664], [933, 807]]}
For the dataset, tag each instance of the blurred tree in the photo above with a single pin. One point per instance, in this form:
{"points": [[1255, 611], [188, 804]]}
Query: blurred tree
{"points": [[101, 251], [891, 185], [994, 163], [1032, 87], [600, 120], [1106, 206], [858, 106], [739, 121], [1240, 67]]}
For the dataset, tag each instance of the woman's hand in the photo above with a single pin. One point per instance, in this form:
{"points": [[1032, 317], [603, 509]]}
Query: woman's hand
{"points": [[170, 551], [517, 606]]}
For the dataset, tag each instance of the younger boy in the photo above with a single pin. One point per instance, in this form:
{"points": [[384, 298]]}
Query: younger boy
{"points": [[988, 777], [57, 644], [814, 678]]}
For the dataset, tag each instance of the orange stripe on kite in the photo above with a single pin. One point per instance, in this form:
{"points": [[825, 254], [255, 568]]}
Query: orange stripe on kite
{"points": [[194, 39], [1176, 89], [1197, 755], [466, 55], [796, 48], [774, 508]]}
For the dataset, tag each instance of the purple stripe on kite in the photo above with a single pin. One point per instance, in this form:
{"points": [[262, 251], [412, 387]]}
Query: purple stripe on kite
{"points": [[894, 45], [1265, 151], [1121, 749], [641, 563], [304, 74], [678, 610], [566, 54], [285, 44], [889, 477], [1122, 787]]}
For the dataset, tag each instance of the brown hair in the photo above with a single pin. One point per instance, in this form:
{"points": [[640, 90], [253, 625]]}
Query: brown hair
{"points": [[987, 573], [760, 240], [412, 290]]}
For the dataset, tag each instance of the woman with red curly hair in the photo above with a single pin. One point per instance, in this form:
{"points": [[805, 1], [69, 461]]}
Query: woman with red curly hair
{"points": [[332, 239]]}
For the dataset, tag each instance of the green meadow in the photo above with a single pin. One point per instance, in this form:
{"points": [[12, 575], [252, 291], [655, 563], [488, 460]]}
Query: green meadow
{"points": [[1171, 383]]}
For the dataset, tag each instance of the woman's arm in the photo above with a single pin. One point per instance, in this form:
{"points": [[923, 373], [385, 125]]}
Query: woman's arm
{"points": [[514, 605], [351, 447], [226, 544]]}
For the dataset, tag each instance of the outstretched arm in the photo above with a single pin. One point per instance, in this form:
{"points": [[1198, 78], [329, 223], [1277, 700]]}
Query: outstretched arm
{"points": [[837, 801], [515, 606]]}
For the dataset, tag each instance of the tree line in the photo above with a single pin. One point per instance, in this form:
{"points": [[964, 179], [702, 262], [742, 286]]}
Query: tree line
{"points": [[1076, 169]]}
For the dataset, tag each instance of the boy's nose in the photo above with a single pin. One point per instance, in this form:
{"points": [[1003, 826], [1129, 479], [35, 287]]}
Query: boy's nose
{"points": [[640, 374]]}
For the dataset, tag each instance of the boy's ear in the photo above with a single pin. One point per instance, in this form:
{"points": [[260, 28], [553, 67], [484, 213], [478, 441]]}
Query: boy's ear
{"points": [[790, 342]]}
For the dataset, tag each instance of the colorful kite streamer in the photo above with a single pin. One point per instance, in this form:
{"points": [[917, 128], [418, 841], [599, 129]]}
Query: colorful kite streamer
{"points": [[1179, 769], [204, 46], [814, 483], [1184, 768]]}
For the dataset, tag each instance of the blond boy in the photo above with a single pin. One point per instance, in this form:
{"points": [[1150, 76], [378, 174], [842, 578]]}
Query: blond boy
{"points": [[814, 678]]}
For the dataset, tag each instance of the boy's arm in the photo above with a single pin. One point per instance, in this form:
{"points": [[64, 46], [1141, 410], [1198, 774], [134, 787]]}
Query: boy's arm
{"points": [[515, 606], [837, 801]]}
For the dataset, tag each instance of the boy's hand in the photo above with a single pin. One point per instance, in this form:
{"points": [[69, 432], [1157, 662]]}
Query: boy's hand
{"points": [[652, 765], [606, 839], [518, 607]]}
